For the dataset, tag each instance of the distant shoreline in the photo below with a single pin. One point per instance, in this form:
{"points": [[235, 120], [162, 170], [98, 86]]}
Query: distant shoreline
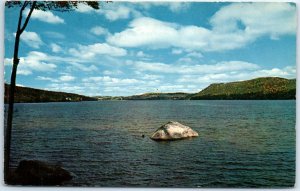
{"points": [[268, 88]]}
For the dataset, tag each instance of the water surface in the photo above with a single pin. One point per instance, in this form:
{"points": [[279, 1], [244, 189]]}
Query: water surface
{"points": [[240, 143]]}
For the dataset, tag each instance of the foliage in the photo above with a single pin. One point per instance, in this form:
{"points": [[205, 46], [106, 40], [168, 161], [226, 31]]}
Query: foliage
{"points": [[148, 96], [30, 95], [259, 88], [55, 5], [158, 96]]}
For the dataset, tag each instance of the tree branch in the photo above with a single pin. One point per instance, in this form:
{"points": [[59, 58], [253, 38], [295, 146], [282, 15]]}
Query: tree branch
{"points": [[20, 16], [28, 16]]}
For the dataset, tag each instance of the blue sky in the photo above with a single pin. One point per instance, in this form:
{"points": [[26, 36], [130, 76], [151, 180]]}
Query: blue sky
{"points": [[133, 48]]}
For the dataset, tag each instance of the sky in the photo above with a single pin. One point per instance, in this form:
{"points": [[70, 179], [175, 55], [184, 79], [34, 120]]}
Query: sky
{"points": [[133, 48]]}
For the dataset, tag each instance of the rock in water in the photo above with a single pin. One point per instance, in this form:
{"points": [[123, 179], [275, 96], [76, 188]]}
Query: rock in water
{"points": [[33, 172], [173, 131]]}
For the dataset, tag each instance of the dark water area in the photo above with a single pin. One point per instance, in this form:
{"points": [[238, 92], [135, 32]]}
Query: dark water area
{"points": [[240, 143]]}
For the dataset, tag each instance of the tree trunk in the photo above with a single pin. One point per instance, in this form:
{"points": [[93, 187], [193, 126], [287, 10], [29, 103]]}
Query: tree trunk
{"points": [[11, 96], [11, 108]]}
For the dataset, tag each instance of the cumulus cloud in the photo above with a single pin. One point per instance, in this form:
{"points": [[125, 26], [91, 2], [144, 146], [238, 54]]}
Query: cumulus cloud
{"points": [[178, 6], [32, 39], [193, 69], [98, 30], [53, 34], [143, 55], [194, 54], [67, 87], [63, 78], [257, 19], [83, 67], [8, 61], [229, 76], [45, 16], [121, 12], [150, 77], [109, 81], [112, 72], [233, 26], [43, 78], [55, 47], [66, 78], [175, 7], [34, 61], [90, 51], [84, 8], [177, 51], [112, 11]]}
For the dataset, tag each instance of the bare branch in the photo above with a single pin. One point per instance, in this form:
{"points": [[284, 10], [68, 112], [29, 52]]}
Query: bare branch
{"points": [[20, 16], [28, 17]]}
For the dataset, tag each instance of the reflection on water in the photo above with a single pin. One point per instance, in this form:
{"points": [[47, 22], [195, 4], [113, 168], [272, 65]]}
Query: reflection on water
{"points": [[240, 143]]}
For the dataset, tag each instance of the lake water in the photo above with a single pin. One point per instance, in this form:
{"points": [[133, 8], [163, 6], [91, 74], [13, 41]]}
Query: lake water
{"points": [[240, 143]]}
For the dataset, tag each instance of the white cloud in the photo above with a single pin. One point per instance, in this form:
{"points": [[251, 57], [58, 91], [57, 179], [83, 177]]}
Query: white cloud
{"points": [[141, 54], [239, 24], [145, 32], [67, 87], [32, 39], [150, 77], [194, 55], [286, 72], [34, 61], [257, 19], [8, 61], [83, 67], [190, 58], [118, 11], [113, 72], [121, 12], [55, 47], [20, 85], [84, 8], [45, 16], [98, 30], [175, 7], [111, 11], [109, 81], [66, 78], [63, 78], [178, 6], [177, 51], [52, 34], [177, 88], [24, 71], [193, 69], [43, 78], [229, 76], [90, 51]]}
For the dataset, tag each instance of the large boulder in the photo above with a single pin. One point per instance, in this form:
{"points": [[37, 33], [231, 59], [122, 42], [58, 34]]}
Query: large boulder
{"points": [[34, 172], [173, 131]]}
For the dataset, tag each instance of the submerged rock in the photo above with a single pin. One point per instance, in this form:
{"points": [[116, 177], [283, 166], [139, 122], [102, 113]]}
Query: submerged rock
{"points": [[34, 172], [173, 131]]}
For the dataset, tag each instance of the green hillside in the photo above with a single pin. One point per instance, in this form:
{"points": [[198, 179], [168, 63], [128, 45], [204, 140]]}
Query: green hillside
{"points": [[147, 96], [259, 88], [31, 95], [158, 96]]}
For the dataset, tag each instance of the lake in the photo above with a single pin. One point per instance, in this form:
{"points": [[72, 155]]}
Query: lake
{"points": [[240, 144]]}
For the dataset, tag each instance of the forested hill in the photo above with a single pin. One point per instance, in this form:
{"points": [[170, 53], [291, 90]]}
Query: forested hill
{"points": [[159, 96], [31, 95], [259, 88]]}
